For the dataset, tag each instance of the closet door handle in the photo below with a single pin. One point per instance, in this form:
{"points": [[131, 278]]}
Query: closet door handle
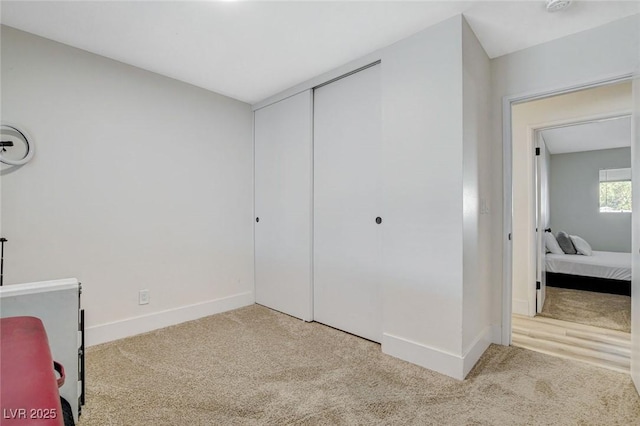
{"points": [[257, 219], [378, 220]]}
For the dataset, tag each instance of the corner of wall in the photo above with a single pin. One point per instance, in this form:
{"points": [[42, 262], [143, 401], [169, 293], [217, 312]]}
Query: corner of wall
{"points": [[478, 226], [473, 353], [443, 362], [435, 359]]}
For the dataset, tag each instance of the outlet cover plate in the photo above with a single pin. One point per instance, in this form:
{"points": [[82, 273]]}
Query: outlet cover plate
{"points": [[143, 297]]}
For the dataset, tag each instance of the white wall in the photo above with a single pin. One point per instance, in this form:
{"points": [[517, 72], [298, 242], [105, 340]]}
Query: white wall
{"points": [[583, 58], [430, 204], [139, 182], [575, 198], [571, 107], [422, 193], [477, 165]]}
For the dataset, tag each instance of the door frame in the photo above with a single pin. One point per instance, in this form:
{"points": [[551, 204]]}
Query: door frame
{"points": [[507, 181], [534, 132], [538, 142]]}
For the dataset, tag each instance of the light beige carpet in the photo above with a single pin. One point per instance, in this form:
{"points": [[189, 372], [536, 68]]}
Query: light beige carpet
{"points": [[610, 311], [254, 366]]}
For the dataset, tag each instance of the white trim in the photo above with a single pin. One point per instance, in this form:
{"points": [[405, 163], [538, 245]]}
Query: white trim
{"points": [[507, 215], [532, 144], [321, 79], [635, 229], [477, 348], [311, 203], [507, 258], [253, 218], [594, 118], [417, 353], [562, 90], [13, 290], [131, 326], [439, 360], [521, 307]]}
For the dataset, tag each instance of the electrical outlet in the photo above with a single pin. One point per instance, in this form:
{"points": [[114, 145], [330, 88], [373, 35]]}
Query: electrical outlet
{"points": [[143, 297]]}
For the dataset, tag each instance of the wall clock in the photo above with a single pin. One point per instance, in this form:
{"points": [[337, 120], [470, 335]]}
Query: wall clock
{"points": [[16, 146]]}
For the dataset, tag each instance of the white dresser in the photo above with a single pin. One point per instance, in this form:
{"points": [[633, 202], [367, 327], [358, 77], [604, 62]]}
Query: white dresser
{"points": [[57, 304]]}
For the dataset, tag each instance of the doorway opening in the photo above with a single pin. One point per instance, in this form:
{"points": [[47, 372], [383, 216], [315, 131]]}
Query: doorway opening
{"points": [[571, 254]]}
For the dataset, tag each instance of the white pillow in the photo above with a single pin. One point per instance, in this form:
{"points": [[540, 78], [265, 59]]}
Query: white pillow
{"points": [[551, 243], [582, 247]]}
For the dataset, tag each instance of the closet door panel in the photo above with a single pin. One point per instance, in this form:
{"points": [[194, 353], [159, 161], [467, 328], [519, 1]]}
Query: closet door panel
{"points": [[347, 140], [283, 205]]}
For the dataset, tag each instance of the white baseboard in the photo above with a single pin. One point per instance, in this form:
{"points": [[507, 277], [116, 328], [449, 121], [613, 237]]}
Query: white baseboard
{"points": [[416, 353], [520, 307], [131, 326], [478, 347], [443, 362]]}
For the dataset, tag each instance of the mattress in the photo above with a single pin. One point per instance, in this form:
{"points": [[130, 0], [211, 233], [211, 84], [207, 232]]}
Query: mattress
{"points": [[603, 264]]}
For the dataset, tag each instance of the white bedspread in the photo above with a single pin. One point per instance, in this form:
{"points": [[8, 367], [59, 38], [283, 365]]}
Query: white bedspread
{"points": [[603, 264]]}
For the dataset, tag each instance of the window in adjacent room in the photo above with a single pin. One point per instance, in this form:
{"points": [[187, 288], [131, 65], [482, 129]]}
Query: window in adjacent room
{"points": [[615, 190]]}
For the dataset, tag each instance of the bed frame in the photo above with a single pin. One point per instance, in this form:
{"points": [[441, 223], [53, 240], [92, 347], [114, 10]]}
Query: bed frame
{"points": [[579, 282]]}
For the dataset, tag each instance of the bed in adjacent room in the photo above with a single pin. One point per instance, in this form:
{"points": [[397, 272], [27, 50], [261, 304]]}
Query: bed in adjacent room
{"points": [[603, 272]]}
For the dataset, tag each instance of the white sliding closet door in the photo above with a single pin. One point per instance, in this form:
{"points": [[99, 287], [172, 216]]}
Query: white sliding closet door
{"points": [[347, 142], [283, 206]]}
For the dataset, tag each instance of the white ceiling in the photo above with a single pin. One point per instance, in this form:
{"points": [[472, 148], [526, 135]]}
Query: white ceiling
{"points": [[605, 134], [250, 50]]}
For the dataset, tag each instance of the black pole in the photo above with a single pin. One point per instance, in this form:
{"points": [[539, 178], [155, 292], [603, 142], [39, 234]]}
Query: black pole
{"points": [[2, 241]]}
